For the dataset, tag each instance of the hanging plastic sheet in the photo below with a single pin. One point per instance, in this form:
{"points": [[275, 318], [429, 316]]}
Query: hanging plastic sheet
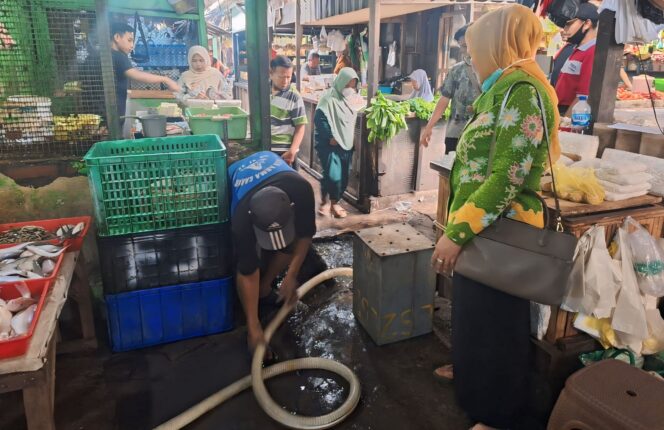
{"points": [[630, 26]]}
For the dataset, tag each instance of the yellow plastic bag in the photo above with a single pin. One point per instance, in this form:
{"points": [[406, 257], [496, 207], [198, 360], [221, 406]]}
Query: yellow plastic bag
{"points": [[578, 185]]}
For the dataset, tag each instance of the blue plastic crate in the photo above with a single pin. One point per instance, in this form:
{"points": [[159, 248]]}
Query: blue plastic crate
{"points": [[160, 315]]}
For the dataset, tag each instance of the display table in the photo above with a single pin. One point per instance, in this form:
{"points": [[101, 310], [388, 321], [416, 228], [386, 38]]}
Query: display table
{"points": [[34, 372], [379, 169]]}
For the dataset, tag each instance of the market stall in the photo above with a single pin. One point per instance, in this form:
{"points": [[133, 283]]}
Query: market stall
{"points": [[28, 349], [395, 166], [55, 92]]}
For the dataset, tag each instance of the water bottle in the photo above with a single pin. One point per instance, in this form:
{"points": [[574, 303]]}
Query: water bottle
{"points": [[581, 116]]}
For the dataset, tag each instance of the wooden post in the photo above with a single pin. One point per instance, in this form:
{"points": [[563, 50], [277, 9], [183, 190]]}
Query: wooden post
{"points": [[374, 41], [202, 24], [298, 42], [107, 73], [402, 46], [258, 70], [606, 69]]}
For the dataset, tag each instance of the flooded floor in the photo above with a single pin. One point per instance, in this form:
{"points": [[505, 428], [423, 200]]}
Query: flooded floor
{"points": [[140, 389]]}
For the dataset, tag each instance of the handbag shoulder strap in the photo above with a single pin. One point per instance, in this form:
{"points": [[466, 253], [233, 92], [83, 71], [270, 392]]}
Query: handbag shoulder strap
{"points": [[492, 149]]}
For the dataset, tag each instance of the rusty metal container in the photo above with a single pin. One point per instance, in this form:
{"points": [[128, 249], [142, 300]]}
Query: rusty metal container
{"points": [[393, 282]]}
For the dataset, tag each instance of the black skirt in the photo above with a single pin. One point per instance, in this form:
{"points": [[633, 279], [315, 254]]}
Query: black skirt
{"points": [[490, 351]]}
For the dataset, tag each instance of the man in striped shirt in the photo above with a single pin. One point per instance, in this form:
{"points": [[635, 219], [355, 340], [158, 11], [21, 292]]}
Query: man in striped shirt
{"points": [[287, 115]]}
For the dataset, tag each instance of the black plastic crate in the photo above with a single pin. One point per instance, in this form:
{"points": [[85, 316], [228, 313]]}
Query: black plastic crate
{"points": [[168, 257]]}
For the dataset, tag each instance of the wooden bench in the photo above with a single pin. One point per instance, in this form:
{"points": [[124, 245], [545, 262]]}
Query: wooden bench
{"points": [[34, 372]]}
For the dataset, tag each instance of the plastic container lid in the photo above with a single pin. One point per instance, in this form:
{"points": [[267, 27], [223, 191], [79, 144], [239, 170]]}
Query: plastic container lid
{"points": [[583, 98]]}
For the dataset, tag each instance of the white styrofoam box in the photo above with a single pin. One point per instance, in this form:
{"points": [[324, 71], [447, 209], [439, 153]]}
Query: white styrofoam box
{"points": [[583, 145], [655, 166], [639, 84], [209, 104], [228, 103]]}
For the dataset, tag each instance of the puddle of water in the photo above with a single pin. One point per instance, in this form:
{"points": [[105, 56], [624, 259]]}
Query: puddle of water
{"points": [[337, 252]]}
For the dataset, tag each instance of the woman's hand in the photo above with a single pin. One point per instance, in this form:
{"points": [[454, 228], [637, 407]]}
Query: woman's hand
{"points": [[425, 137], [333, 142], [445, 256]]}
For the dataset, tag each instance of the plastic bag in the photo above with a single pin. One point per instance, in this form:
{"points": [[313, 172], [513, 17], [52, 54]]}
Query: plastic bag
{"points": [[598, 328], [323, 36], [629, 316], [594, 280], [630, 26], [578, 185], [648, 259], [655, 342], [624, 355], [392, 55]]}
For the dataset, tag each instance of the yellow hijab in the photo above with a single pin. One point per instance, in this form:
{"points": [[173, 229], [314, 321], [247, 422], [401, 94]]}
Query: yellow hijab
{"points": [[501, 38]]}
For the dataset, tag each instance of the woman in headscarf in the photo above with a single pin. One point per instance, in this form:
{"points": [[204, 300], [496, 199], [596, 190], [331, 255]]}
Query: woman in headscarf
{"points": [[201, 80], [334, 133], [421, 85], [491, 329]]}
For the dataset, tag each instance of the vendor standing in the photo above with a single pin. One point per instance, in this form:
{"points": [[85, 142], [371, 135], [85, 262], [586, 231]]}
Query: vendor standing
{"points": [[272, 222], [334, 133], [287, 115], [462, 88], [312, 68], [574, 78], [122, 43]]}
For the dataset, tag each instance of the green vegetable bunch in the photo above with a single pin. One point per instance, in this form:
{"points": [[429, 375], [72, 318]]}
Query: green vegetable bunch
{"points": [[422, 108], [385, 118]]}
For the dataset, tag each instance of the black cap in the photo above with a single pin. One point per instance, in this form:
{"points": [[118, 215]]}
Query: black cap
{"points": [[587, 11], [272, 214]]}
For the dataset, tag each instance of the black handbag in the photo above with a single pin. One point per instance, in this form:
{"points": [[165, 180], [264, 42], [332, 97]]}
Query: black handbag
{"points": [[140, 57], [518, 258]]}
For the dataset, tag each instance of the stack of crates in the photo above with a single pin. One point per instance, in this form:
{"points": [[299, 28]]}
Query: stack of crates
{"points": [[161, 208]]}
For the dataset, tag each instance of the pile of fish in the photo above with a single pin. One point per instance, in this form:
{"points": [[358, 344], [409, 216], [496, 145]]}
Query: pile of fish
{"points": [[28, 261], [33, 233], [28, 233], [17, 314]]}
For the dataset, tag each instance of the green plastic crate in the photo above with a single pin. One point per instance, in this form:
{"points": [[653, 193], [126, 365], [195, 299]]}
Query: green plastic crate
{"points": [[199, 124], [156, 184]]}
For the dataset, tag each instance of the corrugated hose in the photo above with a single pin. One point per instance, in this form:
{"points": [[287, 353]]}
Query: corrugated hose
{"points": [[259, 375]]}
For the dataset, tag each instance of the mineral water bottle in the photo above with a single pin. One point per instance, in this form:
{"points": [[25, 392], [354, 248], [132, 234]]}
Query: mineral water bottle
{"points": [[581, 116]]}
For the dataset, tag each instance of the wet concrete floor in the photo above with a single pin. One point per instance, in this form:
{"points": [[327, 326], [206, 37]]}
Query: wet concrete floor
{"points": [[140, 389]]}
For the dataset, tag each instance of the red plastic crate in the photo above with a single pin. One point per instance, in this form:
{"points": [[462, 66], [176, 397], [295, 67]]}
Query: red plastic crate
{"points": [[52, 225], [35, 285], [19, 345]]}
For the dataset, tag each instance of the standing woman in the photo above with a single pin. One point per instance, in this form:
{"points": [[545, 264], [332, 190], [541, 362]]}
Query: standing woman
{"points": [[201, 79], [335, 129], [491, 329]]}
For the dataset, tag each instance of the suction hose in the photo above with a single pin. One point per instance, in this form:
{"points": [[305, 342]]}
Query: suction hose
{"points": [[259, 375]]}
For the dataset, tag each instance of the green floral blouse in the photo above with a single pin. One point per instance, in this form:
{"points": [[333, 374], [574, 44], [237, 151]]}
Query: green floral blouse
{"points": [[518, 163]]}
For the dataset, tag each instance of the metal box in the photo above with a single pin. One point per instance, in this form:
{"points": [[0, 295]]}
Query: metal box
{"points": [[393, 282]]}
